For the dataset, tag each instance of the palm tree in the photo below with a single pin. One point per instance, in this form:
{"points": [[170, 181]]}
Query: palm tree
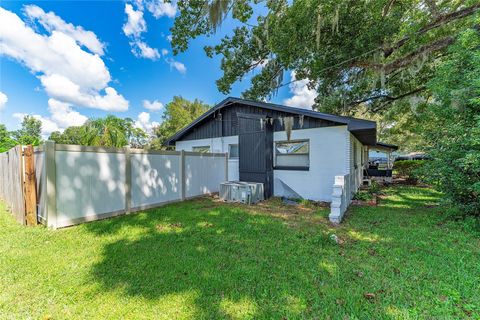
{"points": [[109, 132]]}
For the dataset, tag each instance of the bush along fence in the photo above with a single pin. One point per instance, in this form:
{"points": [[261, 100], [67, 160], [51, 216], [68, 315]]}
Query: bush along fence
{"points": [[75, 184]]}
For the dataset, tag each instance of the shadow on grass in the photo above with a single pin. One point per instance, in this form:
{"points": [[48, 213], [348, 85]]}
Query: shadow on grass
{"points": [[234, 264], [227, 259], [411, 197]]}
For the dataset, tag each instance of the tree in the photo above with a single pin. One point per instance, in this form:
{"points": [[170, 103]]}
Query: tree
{"points": [[451, 125], [352, 52], [6, 142], [400, 125], [71, 135], [110, 131], [178, 114], [30, 132]]}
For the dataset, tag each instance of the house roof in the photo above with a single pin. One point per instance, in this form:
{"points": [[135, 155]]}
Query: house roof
{"points": [[383, 145], [364, 130]]}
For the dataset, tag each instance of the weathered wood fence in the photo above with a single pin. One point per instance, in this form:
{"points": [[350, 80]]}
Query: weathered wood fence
{"points": [[18, 183], [73, 184]]}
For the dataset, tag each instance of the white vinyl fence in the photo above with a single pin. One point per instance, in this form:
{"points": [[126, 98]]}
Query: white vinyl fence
{"points": [[76, 184]]}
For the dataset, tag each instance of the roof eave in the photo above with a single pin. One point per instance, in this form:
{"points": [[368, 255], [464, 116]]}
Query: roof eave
{"points": [[382, 145], [355, 126], [171, 141]]}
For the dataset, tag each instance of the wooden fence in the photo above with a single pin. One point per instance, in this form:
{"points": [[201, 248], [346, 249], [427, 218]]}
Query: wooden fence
{"points": [[62, 185], [18, 184]]}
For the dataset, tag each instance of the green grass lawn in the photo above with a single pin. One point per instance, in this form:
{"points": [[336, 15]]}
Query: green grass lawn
{"points": [[205, 259]]}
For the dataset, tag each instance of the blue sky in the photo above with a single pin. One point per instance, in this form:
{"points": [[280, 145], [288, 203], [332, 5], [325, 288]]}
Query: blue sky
{"points": [[66, 61]]}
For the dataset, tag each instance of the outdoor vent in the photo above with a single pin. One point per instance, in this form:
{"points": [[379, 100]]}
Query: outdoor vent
{"points": [[243, 192]]}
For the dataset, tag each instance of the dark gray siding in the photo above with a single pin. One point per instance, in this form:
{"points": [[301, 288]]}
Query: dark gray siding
{"points": [[224, 122], [256, 152]]}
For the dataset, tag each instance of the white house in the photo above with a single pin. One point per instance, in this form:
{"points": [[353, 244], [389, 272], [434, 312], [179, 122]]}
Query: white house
{"points": [[323, 150]]}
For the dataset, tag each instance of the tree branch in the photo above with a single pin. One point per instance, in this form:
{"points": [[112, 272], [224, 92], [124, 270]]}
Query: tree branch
{"points": [[257, 63], [390, 99], [409, 58], [387, 8], [426, 49], [438, 22]]}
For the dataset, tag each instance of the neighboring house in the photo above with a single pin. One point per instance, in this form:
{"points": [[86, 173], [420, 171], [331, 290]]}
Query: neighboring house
{"points": [[321, 147]]}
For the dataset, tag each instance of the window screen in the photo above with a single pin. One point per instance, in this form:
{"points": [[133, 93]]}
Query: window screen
{"points": [[201, 149], [233, 151], [292, 154]]}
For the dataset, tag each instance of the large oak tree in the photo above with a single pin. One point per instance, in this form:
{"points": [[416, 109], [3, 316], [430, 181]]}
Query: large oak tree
{"points": [[353, 52]]}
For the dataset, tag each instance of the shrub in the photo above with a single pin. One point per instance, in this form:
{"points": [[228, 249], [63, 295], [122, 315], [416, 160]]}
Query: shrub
{"points": [[375, 188], [363, 195], [409, 169]]}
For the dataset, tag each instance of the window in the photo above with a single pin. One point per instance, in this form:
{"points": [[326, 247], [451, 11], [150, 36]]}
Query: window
{"points": [[292, 155], [233, 151], [203, 149]]}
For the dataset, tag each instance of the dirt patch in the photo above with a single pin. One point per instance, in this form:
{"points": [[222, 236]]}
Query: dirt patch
{"points": [[297, 215], [177, 226], [276, 205]]}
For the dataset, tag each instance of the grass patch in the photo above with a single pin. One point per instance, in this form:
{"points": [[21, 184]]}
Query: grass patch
{"points": [[205, 259]]}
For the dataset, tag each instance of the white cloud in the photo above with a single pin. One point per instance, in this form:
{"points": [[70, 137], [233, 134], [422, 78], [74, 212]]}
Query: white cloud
{"points": [[303, 97], [3, 100], [159, 8], [180, 67], [68, 73], [143, 122], [135, 24], [133, 28], [48, 126], [141, 50], [164, 52], [50, 21], [61, 88], [61, 117], [152, 105], [261, 64], [169, 37]]}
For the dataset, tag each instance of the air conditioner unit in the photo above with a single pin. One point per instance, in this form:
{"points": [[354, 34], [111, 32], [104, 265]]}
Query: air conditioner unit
{"points": [[240, 191]]}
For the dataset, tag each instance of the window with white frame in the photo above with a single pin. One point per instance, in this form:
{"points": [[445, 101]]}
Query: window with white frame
{"points": [[292, 155], [233, 151], [203, 149]]}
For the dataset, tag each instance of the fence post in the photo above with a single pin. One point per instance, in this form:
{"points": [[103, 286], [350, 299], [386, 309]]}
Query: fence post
{"points": [[30, 187], [51, 184], [128, 181], [21, 206], [182, 174]]}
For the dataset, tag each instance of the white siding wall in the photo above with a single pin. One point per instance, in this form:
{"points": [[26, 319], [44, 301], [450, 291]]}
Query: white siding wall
{"points": [[328, 152], [356, 169], [219, 145], [327, 160]]}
